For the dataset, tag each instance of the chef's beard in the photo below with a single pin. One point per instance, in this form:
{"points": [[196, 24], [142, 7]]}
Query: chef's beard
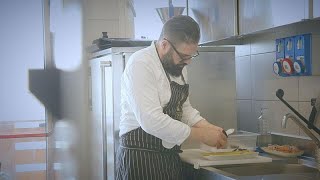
{"points": [[169, 66]]}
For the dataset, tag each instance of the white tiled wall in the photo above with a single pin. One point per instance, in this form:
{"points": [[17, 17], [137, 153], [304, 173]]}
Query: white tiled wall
{"points": [[274, 114], [305, 110], [245, 115], [265, 83], [257, 84], [262, 44], [95, 28], [309, 87], [101, 16], [244, 49], [243, 77], [102, 9], [112, 16]]}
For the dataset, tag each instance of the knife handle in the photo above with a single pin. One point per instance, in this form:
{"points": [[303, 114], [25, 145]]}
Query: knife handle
{"points": [[224, 132]]}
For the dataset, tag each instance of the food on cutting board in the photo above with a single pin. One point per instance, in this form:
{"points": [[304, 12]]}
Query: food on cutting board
{"points": [[283, 150], [236, 154], [205, 147]]}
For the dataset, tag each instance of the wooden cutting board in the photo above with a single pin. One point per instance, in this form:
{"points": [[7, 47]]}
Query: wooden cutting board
{"points": [[194, 157]]}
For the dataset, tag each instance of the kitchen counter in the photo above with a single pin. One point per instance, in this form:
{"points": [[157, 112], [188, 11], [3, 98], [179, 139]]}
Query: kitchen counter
{"points": [[304, 167], [194, 157], [279, 169]]}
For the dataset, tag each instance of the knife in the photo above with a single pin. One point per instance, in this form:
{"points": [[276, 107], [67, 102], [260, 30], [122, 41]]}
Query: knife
{"points": [[228, 132], [225, 133]]}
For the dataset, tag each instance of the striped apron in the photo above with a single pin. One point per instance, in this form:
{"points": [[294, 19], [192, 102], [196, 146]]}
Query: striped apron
{"points": [[141, 156]]}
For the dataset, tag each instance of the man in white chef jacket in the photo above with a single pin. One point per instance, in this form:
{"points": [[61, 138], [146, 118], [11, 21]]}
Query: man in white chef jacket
{"points": [[157, 116]]}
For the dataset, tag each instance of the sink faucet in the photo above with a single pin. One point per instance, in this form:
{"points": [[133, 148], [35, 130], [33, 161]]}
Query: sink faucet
{"points": [[315, 113], [304, 128], [307, 131]]}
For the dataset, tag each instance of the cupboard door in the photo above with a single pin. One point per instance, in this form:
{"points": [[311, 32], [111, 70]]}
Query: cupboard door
{"points": [[256, 15], [216, 18]]}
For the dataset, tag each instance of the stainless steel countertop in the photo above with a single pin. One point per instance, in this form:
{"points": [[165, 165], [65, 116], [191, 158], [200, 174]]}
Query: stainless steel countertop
{"points": [[303, 167], [289, 166]]}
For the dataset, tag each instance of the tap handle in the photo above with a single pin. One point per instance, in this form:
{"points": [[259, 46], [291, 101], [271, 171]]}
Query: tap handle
{"points": [[313, 101], [312, 117], [280, 93]]}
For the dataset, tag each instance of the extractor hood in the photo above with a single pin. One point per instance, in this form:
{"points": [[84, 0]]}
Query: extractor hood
{"points": [[166, 12]]}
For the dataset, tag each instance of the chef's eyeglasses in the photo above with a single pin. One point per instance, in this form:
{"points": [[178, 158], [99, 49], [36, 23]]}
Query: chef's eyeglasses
{"points": [[179, 54]]}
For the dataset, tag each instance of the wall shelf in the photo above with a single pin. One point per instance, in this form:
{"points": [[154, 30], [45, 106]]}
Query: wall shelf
{"points": [[295, 28]]}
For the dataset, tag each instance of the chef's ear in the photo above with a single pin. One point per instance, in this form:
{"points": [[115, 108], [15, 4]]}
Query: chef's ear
{"points": [[165, 46]]}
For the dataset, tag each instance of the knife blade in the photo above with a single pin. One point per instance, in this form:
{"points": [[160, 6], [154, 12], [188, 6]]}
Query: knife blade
{"points": [[230, 131]]}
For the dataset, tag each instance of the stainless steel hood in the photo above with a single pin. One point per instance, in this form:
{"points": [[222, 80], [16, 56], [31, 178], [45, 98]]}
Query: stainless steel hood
{"points": [[164, 12]]}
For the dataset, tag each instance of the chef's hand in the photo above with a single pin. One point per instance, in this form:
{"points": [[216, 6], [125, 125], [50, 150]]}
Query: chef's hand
{"points": [[204, 123], [215, 127], [214, 136]]}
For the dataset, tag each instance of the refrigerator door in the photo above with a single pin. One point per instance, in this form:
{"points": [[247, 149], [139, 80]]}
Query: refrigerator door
{"points": [[102, 112], [105, 96], [107, 118], [119, 62]]}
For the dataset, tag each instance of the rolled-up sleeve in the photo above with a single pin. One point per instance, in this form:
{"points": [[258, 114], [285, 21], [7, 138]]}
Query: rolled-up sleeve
{"points": [[142, 94]]}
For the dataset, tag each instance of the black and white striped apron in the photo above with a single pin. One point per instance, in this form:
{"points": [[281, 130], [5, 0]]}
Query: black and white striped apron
{"points": [[141, 156]]}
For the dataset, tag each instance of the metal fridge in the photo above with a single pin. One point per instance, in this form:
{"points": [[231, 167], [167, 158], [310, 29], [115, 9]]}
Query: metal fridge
{"points": [[105, 72], [212, 91]]}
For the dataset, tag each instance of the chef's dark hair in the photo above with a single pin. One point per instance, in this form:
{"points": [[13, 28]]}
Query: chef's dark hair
{"points": [[180, 29]]}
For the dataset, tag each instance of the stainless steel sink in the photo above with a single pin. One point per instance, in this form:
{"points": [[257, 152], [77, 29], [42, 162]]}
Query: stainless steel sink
{"points": [[265, 171], [266, 168], [300, 168]]}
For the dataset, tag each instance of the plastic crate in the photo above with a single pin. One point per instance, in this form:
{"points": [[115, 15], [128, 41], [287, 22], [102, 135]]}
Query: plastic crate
{"points": [[243, 139]]}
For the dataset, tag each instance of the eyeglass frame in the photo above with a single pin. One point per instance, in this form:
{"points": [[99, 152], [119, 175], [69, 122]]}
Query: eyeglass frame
{"points": [[179, 54]]}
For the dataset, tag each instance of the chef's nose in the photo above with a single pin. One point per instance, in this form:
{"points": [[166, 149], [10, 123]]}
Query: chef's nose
{"points": [[187, 61]]}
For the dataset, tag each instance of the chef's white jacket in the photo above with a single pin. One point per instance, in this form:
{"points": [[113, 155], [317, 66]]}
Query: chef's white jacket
{"points": [[145, 91]]}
